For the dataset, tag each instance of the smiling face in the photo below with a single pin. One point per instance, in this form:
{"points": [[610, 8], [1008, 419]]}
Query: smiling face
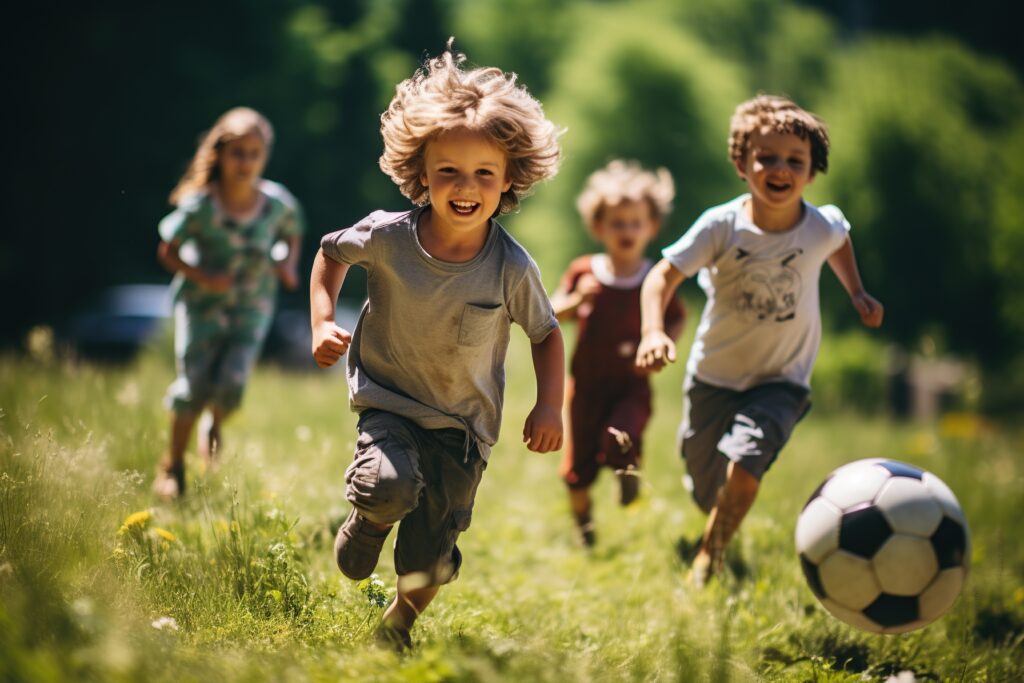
{"points": [[626, 229], [465, 174], [777, 168], [242, 160]]}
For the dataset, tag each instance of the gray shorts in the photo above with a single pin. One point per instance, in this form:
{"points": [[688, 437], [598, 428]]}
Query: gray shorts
{"points": [[426, 479], [746, 427]]}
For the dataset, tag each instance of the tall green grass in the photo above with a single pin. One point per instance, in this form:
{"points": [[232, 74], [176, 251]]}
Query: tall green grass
{"points": [[236, 582]]}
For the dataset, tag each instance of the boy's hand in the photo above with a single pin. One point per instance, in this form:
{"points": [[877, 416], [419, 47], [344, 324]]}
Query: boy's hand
{"points": [[543, 430], [656, 350], [288, 275], [870, 309], [330, 343], [218, 283]]}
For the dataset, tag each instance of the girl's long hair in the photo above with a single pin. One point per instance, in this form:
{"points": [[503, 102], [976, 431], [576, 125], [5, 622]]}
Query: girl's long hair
{"points": [[204, 167]]}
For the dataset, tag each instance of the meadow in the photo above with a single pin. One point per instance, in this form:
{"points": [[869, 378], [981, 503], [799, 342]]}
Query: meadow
{"points": [[237, 582]]}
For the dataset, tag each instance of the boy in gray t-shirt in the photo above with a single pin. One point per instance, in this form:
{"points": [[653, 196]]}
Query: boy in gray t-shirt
{"points": [[758, 258], [426, 359]]}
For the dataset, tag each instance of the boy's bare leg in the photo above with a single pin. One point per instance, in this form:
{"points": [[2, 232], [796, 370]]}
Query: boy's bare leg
{"points": [[170, 481], [401, 614], [734, 501], [580, 503]]}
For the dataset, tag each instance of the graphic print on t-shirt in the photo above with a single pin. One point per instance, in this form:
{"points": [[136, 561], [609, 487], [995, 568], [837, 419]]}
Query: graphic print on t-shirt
{"points": [[768, 290]]}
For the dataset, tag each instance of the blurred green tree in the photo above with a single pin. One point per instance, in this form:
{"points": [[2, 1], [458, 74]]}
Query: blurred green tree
{"points": [[632, 84], [926, 147]]}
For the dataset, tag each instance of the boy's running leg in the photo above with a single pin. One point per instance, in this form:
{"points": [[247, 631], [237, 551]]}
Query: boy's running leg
{"points": [[734, 501], [170, 480], [210, 438], [383, 483], [580, 503], [401, 614]]}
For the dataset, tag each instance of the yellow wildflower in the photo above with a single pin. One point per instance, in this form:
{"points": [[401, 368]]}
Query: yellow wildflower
{"points": [[136, 520], [165, 534]]}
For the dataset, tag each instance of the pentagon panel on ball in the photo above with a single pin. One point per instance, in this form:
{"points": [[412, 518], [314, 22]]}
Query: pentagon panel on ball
{"points": [[884, 545]]}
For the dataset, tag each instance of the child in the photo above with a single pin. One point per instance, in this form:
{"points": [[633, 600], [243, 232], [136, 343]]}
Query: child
{"points": [[426, 359], [223, 297], [609, 398], [759, 257]]}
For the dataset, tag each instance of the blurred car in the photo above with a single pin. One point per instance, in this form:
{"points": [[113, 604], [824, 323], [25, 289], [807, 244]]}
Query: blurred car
{"points": [[122, 319], [119, 321]]}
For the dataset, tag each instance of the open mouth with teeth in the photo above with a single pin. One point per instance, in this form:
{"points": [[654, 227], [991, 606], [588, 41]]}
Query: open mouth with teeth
{"points": [[463, 208], [778, 187]]}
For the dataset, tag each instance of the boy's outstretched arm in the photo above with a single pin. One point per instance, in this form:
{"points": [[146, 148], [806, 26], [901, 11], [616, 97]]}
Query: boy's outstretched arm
{"points": [[657, 349], [844, 265], [543, 430], [330, 342]]}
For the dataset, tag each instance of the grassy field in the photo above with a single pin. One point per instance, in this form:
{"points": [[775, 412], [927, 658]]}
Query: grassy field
{"points": [[237, 582]]}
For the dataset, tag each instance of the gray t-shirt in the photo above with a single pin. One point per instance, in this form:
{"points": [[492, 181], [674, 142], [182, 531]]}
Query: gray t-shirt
{"points": [[431, 340], [762, 321]]}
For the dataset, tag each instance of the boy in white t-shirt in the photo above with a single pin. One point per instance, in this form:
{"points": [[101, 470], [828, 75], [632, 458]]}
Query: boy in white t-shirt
{"points": [[758, 259]]}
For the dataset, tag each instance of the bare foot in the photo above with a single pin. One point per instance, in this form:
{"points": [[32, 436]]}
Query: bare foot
{"points": [[170, 481]]}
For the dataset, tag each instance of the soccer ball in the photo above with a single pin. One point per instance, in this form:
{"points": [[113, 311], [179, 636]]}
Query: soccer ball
{"points": [[884, 545]]}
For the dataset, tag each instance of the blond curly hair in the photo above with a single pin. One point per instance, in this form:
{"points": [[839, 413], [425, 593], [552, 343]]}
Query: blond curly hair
{"points": [[777, 115], [204, 168], [625, 181], [440, 97]]}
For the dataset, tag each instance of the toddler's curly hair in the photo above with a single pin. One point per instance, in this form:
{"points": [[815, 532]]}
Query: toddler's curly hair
{"points": [[778, 115], [441, 96], [622, 181]]}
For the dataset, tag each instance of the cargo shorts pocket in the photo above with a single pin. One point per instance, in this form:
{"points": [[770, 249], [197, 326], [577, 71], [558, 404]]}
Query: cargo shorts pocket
{"points": [[478, 321], [364, 471]]}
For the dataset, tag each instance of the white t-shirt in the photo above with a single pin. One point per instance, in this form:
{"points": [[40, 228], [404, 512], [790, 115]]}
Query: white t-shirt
{"points": [[762, 321]]}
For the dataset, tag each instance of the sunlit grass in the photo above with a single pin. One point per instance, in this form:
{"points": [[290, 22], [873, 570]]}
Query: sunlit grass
{"points": [[100, 582]]}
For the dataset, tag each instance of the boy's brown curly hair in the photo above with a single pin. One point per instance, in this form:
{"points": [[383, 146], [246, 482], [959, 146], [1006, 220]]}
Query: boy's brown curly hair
{"points": [[777, 115], [441, 96]]}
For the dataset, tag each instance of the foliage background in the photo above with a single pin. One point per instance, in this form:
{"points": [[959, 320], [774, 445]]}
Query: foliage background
{"points": [[924, 100]]}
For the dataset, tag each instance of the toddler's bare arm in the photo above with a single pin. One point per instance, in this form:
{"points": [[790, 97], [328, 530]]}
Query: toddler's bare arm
{"points": [[565, 304]]}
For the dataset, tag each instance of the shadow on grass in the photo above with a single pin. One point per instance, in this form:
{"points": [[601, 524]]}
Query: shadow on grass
{"points": [[998, 625]]}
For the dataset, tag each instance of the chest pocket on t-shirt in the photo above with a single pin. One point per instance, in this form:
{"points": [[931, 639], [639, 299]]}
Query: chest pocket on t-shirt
{"points": [[478, 322]]}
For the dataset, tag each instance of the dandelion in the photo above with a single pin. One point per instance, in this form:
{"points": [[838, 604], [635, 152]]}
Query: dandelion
{"points": [[165, 623], [165, 534], [136, 520]]}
